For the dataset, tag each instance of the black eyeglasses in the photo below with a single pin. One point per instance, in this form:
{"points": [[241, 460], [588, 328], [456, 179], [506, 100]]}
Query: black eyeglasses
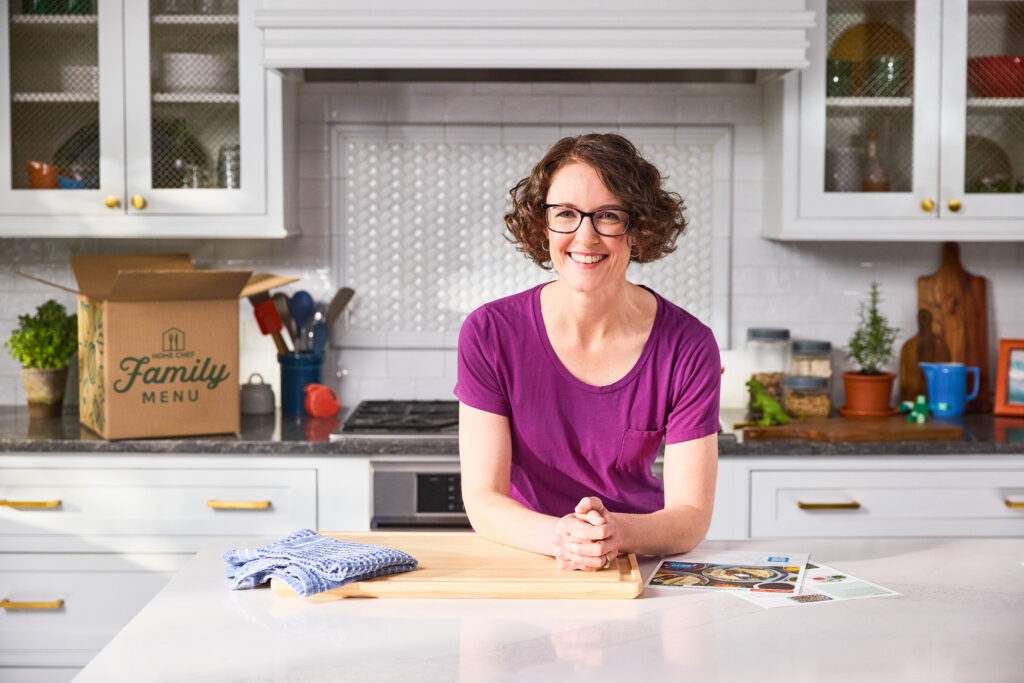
{"points": [[566, 219]]}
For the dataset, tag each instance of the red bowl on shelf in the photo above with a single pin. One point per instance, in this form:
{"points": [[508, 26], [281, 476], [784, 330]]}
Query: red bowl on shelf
{"points": [[1001, 76]]}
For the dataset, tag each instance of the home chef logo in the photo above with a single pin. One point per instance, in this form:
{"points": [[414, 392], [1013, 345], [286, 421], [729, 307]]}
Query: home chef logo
{"points": [[192, 374]]}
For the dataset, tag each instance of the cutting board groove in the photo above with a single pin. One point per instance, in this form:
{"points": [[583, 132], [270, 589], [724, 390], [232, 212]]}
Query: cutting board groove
{"points": [[456, 564]]}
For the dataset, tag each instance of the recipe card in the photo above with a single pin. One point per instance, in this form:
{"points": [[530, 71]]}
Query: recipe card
{"points": [[821, 584], [734, 570]]}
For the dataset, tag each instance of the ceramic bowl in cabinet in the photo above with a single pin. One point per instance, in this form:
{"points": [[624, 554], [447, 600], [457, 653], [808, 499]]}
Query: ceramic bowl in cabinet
{"points": [[1000, 76], [197, 72]]}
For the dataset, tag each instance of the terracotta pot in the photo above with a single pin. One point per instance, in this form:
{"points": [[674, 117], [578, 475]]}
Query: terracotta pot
{"points": [[44, 390], [868, 394]]}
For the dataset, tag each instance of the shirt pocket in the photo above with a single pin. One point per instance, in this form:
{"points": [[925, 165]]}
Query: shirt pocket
{"points": [[638, 448]]}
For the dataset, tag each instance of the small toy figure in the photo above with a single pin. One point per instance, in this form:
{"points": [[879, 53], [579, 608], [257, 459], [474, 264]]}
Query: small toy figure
{"points": [[920, 410], [771, 411]]}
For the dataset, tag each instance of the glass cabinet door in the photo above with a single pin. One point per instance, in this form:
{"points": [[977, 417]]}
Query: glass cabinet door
{"points": [[869, 119], [188, 141], [983, 110], [61, 140]]}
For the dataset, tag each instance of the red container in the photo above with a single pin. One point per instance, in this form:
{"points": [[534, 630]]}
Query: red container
{"points": [[1001, 76]]}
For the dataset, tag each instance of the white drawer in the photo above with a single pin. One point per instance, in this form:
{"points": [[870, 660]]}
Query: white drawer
{"points": [[120, 503], [101, 594], [34, 674], [890, 503]]}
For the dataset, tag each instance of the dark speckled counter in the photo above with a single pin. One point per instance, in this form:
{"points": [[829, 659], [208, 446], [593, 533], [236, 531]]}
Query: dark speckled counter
{"points": [[280, 435]]}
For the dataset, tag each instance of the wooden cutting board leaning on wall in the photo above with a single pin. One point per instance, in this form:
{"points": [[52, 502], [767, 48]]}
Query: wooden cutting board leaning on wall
{"points": [[958, 304]]}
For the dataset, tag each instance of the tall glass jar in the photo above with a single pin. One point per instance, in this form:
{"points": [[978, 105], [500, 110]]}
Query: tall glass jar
{"points": [[807, 396], [768, 353]]}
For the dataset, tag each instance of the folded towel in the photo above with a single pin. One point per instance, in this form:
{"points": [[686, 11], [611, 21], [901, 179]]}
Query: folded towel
{"points": [[311, 563]]}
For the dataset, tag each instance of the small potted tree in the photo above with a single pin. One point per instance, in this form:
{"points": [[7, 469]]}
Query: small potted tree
{"points": [[869, 390], [44, 344]]}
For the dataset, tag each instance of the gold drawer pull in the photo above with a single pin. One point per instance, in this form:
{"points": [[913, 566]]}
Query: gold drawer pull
{"points": [[1014, 504], [238, 504], [8, 604], [29, 503], [852, 505]]}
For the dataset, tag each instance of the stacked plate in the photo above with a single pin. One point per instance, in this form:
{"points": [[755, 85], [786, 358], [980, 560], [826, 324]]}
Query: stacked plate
{"points": [[198, 72]]}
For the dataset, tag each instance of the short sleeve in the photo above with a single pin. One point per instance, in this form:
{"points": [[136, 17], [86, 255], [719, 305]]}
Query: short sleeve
{"points": [[694, 413], [477, 384]]}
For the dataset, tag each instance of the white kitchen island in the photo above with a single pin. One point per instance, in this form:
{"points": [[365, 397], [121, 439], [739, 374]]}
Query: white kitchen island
{"points": [[960, 618]]}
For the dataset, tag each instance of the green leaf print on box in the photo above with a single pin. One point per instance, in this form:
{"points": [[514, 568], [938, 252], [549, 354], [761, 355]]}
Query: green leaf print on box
{"points": [[92, 393]]}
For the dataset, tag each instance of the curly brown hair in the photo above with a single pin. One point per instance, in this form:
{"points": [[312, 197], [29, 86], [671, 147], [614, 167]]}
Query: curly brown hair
{"points": [[654, 226]]}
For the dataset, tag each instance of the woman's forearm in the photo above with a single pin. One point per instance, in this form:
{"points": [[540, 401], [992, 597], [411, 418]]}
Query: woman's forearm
{"points": [[676, 529], [499, 518]]}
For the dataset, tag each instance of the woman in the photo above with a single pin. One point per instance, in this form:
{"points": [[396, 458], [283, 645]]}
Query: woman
{"points": [[566, 390]]}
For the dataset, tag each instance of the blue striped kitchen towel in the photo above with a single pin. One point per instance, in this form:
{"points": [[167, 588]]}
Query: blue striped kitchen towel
{"points": [[311, 563]]}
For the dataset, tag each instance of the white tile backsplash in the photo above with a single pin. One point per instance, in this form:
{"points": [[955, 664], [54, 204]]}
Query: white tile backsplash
{"points": [[812, 288]]}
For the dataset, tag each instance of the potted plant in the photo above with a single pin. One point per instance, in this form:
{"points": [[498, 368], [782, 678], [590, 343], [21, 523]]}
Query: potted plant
{"points": [[44, 344], [869, 390]]}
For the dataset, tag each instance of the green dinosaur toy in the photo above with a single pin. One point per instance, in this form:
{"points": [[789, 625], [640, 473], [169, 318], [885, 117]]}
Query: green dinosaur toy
{"points": [[771, 411], [920, 410]]}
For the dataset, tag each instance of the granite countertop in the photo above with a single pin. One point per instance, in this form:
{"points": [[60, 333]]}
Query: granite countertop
{"points": [[283, 435]]}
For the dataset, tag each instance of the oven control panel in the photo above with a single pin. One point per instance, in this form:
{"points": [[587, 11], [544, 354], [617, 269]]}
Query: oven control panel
{"points": [[417, 495], [439, 493]]}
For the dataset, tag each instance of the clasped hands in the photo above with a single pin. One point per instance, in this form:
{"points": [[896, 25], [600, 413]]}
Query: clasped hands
{"points": [[586, 539]]}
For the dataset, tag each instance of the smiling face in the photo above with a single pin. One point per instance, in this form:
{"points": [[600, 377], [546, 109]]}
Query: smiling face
{"points": [[585, 260]]}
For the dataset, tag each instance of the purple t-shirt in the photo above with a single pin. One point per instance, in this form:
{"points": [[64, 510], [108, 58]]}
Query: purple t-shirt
{"points": [[571, 439]]}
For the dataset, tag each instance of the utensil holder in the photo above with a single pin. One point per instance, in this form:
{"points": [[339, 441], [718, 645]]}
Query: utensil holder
{"points": [[297, 370]]}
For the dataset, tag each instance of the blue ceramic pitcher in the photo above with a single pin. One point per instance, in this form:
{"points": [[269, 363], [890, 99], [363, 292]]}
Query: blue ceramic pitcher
{"points": [[947, 383]]}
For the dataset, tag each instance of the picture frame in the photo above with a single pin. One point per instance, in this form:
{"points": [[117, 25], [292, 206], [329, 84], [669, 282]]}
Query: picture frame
{"points": [[1010, 378]]}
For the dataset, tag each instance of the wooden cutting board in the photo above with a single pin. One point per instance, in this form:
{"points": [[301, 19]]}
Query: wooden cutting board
{"points": [[925, 346], [462, 564], [958, 303], [857, 429]]}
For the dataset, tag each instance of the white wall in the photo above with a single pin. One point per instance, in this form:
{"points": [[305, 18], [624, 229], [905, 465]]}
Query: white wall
{"points": [[812, 288]]}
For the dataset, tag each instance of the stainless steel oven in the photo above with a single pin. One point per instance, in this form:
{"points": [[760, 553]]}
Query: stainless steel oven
{"points": [[417, 494]]}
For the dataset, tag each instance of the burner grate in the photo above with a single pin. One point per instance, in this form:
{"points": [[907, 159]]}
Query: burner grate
{"points": [[404, 416]]}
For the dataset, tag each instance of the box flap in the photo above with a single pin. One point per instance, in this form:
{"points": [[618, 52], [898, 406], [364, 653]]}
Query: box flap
{"points": [[177, 285], [96, 273], [262, 282]]}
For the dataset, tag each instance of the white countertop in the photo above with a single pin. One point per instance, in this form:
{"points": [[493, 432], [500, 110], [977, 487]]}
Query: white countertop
{"points": [[960, 617]]}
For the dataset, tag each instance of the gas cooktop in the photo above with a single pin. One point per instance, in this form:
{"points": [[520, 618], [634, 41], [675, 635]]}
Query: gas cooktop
{"points": [[403, 417]]}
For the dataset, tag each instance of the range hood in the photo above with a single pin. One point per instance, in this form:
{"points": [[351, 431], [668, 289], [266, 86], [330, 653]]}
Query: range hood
{"points": [[531, 34]]}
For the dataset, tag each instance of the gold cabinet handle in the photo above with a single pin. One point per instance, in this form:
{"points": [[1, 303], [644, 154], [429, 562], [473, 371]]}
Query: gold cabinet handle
{"points": [[927, 204], [238, 504], [30, 503], [138, 201], [8, 604], [112, 202], [954, 205], [852, 505], [1014, 504]]}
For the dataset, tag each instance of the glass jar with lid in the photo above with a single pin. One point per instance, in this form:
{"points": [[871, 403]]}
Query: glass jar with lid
{"points": [[768, 354], [811, 358], [807, 396]]}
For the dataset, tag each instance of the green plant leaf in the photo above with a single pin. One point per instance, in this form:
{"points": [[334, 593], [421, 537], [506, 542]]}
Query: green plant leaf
{"points": [[871, 345], [46, 340]]}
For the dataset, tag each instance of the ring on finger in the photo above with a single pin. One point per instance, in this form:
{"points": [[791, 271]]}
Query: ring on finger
{"points": [[607, 561]]}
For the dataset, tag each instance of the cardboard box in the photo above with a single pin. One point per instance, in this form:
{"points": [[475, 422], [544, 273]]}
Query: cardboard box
{"points": [[158, 344]]}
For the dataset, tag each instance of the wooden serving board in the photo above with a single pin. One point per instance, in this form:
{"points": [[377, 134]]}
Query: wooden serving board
{"points": [[958, 303], [857, 429], [462, 564]]}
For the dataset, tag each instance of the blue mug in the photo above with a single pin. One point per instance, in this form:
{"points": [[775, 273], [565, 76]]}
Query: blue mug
{"points": [[947, 383]]}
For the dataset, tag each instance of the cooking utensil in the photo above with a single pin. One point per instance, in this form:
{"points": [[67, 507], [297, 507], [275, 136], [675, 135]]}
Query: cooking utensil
{"points": [[456, 564], [268, 319], [281, 304], [338, 303], [314, 333], [861, 429], [301, 307], [958, 303]]}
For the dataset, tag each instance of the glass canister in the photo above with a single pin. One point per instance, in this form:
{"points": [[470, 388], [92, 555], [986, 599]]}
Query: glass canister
{"points": [[768, 353], [807, 396], [811, 358]]}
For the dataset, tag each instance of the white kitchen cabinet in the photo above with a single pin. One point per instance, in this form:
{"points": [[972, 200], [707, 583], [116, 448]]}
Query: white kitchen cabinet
{"points": [[161, 125], [952, 501], [950, 148], [104, 532]]}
